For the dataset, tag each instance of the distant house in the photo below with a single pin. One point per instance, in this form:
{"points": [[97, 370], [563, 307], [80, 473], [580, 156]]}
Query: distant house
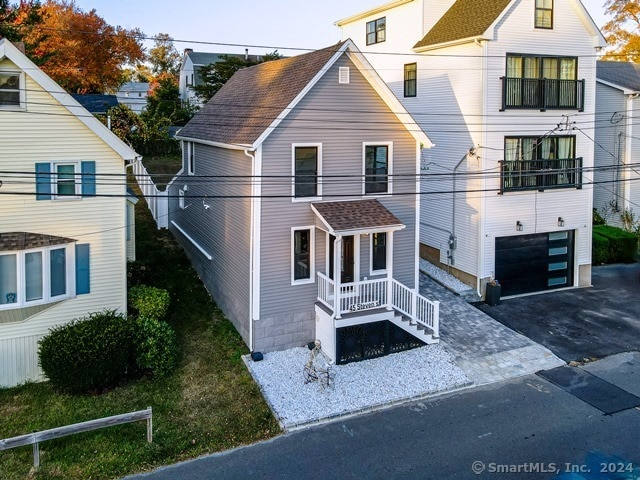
{"points": [[308, 225], [498, 84], [63, 222], [97, 103], [617, 138], [133, 95], [191, 64]]}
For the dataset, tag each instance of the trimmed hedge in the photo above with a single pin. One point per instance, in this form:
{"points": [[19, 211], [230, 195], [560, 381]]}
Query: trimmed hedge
{"points": [[156, 347], [149, 302], [89, 353], [613, 245]]}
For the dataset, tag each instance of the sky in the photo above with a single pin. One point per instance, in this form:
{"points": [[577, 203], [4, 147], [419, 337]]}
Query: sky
{"points": [[273, 23]]}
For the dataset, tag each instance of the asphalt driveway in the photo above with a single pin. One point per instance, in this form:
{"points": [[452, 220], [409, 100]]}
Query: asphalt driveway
{"points": [[580, 323]]}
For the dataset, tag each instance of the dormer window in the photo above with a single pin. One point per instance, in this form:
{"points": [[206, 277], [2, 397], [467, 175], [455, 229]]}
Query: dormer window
{"points": [[544, 14], [377, 31]]}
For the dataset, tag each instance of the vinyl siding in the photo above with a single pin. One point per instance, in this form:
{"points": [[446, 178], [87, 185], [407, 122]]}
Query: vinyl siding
{"points": [[341, 117], [223, 230], [45, 132]]}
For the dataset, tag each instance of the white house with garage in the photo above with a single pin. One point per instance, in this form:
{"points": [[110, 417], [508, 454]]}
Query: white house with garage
{"points": [[63, 216], [506, 90]]}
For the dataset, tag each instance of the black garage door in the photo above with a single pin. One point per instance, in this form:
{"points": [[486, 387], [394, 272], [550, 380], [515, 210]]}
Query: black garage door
{"points": [[532, 263]]}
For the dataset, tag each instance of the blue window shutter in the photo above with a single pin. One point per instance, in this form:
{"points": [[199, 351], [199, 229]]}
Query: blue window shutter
{"points": [[88, 179], [83, 277], [43, 181]]}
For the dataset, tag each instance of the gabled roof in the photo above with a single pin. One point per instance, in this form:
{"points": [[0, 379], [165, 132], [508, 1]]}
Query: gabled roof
{"points": [[465, 19], [136, 87], [205, 58], [358, 215], [625, 75], [7, 50], [256, 99], [96, 102], [12, 241]]}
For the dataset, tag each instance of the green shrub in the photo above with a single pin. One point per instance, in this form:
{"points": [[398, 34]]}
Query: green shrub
{"points": [[597, 218], [89, 353], [156, 349], [622, 245], [149, 302], [600, 249]]}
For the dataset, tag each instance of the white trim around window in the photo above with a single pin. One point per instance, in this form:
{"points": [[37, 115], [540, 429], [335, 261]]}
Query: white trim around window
{"points": [[389, 173], [181, 199], [191, 160], [10, 92], [28, 277], [303, 273], [66, 177], [382, 271], [318, 147]]}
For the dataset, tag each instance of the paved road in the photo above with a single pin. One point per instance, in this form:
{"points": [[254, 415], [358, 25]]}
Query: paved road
{"points": [[524, 424], [580, 323]]}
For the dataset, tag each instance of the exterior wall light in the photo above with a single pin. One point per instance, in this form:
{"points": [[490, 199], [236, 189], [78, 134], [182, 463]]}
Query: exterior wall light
{"points": [[519, 226], [560, 222]]}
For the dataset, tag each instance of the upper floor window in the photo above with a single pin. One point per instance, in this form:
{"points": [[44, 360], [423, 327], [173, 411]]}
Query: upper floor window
{"points": [[306, 170], [377, 168], [410, 79], [61, 179], [378, 252], [542, 82], [544, 14], [376, 31], [539, 163], [11, 89], [67, 180]]}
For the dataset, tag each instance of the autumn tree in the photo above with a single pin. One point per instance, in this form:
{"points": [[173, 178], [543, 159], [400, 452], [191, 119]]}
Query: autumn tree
{"points": [[164, 107], [215, 75], [163, 56], [81, 51], [623, 30], [17, 20]]}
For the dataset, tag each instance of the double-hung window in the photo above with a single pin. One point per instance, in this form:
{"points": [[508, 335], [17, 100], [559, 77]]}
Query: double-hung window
{"points": [[377, 31], [11, 90], [307, 169], [378, 252], [377, 168], [302, 255], [539, 163], [410, 79], [43, 275], [544, 14], [65, 179]]}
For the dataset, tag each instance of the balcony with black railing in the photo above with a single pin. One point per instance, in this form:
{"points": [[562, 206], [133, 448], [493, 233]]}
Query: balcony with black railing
{"points": [[540, 174], [542, 94]]}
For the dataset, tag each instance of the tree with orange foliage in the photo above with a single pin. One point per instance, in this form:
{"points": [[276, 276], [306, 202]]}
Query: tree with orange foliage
{"points": [[622, 30], [80, 50], [19, 19]]}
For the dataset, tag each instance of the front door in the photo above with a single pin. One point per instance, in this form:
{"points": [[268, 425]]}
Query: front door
{"points": [[347, 259]]}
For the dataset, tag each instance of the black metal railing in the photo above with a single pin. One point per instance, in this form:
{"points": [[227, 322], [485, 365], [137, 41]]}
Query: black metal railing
{"points": [[540, 174], [542, 94]]}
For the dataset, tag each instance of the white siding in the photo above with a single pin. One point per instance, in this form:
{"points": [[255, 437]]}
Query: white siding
{"points": [[44, 132]]}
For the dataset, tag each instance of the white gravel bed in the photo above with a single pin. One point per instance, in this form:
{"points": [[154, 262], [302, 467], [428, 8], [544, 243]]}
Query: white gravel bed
{"points": [[357, 386], [443, 277]]}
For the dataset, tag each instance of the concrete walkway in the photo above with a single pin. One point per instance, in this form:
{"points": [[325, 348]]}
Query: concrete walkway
{"points": [[482, 347]]}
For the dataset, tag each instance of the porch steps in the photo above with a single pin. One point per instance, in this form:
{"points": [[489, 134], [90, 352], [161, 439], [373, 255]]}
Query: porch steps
{"points": [[417, 330]]}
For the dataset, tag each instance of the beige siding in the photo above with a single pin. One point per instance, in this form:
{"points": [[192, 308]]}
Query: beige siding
{"points": [[341, 118], [45, 132]]}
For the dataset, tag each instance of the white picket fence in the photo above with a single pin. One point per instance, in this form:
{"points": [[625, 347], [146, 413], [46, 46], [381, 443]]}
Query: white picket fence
{"points": [[157, 200]]}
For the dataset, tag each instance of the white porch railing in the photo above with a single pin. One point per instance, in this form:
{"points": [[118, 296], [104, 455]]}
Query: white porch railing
{"points": [[157, 200], [368, 294]]}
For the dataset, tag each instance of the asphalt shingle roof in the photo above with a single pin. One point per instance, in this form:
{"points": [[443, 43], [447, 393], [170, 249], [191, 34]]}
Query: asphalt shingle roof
{"points": [[251, 100], [356, 215], [624, 74], [205, 58], [12, 241], [96, 102], [465, 19]]}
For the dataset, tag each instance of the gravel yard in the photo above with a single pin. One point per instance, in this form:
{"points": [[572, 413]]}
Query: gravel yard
{"points": [[357, 386]]}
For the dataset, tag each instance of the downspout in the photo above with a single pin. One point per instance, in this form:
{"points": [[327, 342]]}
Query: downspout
{"points": [[254, 257], [453, 241], [482, 167]]}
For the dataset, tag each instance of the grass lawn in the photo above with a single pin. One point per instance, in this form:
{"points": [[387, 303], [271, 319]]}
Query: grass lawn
{"points": [[210, 403], [162, 168]]}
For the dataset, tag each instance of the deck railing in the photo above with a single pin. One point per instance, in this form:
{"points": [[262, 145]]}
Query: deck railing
{"points": [[157, 200], [542, 93], [368, 294]]}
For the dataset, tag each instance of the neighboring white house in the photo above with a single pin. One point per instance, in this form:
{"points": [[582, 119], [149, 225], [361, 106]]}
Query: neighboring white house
{"points": [[617, 138], [63, 220], [133, 95], [498, 84], [191, 64]]}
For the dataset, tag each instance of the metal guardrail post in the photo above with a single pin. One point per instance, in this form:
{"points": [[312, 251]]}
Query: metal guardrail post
{"points": [[36, 452], [150, 426]]}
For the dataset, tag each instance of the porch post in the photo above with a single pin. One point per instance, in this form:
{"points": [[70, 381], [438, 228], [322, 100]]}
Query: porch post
{"points": [[389, 259], [337, 275]]}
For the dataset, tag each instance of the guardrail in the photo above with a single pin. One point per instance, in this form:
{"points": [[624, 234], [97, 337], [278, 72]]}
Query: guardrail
{"points": [[36, 437]]}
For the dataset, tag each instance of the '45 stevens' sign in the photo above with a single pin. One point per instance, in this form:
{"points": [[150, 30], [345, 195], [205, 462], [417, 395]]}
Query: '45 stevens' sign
{"points": [[356, 307]]}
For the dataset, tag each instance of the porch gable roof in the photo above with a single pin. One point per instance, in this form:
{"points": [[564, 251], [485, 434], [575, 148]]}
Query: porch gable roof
{"points": [[358, 216]]}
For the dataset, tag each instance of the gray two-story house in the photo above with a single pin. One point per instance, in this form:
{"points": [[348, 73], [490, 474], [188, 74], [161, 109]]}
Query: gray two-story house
{"points": [[298, 204]]}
